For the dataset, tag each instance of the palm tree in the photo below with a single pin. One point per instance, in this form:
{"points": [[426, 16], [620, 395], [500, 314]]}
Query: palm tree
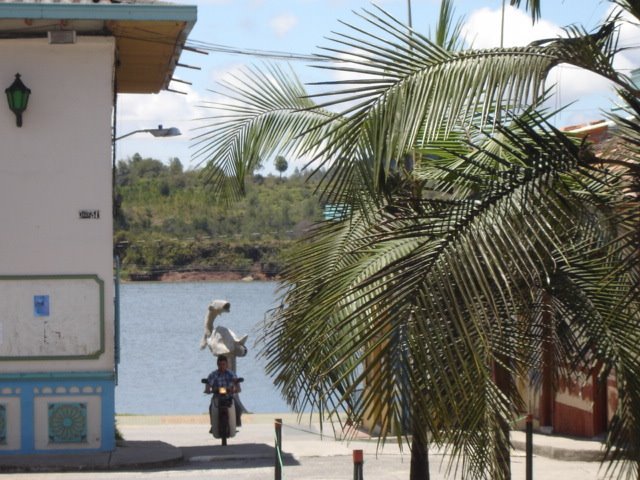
{"points": [[281, 165], [478, 238]]}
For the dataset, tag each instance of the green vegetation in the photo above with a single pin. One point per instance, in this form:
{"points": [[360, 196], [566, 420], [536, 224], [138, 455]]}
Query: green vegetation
{"points": [[168, 220], [281, 164]]}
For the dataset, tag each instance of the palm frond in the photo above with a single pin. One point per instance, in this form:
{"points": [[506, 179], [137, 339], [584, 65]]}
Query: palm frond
{"points": [[412, 87], [630, 6], [265, 113], [448, 32]]}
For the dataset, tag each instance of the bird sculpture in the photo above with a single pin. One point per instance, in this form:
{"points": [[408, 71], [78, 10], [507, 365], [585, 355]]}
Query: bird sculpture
{"points": [[219, 339]]}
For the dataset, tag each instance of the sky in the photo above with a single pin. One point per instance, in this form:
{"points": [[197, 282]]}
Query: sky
{"points": [[301, 27]]}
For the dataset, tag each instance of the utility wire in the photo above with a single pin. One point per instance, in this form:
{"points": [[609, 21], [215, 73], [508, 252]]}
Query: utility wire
{"points": [[273, 54]]}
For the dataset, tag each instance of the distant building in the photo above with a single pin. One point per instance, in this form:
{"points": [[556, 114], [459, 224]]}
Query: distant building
{"points": [[58, 325], [336, 211], [581, 406]]}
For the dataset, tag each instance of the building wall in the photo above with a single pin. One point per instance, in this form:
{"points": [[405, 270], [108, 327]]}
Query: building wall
{"points": [[56, 270]]}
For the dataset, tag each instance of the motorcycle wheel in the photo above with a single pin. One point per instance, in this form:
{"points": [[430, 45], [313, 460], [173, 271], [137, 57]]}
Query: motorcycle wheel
{"points": [[224, 425]]}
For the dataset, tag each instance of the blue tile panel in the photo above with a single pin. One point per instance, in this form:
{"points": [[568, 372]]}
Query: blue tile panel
{"points": [[67, 422], [3, 424], [67, 397]]}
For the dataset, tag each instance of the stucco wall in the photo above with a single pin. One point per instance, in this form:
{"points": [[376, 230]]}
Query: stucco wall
{"points": [[57, 165]]}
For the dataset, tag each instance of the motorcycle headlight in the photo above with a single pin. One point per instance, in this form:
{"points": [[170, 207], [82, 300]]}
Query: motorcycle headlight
{"points": [[222, 391]]}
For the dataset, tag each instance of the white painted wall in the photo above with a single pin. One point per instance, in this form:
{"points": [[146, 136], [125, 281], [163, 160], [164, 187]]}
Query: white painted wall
{"points": [[57, 164]]}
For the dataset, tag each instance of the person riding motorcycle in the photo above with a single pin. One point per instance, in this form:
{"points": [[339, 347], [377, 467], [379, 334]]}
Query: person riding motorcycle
{"points": [[223, 377]]}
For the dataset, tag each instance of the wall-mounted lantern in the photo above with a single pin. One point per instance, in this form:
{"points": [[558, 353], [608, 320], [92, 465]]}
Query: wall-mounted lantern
{"points": [[18, 98]]}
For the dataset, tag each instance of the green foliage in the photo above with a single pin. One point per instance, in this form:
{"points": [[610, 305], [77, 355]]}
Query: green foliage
{"points": [[281, 164], [167, 219]]}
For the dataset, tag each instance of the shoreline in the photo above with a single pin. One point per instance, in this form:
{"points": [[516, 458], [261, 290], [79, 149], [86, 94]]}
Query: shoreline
{"points": [[141, 420], [205, 277]]}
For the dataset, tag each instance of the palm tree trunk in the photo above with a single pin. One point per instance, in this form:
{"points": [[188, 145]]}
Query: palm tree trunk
{"points": [[502, 444], [419, 456], [547, 394]]}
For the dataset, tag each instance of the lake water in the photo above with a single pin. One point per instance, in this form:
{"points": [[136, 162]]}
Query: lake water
{"points": [[161, 364]]}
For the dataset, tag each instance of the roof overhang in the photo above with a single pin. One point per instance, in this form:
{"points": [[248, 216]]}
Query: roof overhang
{"points": [[149, 36]]}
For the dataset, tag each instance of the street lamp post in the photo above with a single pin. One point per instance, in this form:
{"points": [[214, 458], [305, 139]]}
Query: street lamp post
{"points": [[156, 132], [159, 132]]}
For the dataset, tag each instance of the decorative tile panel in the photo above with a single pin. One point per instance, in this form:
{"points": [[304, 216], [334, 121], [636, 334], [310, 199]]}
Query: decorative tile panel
{"points": [[3, 424], [67, 422], [49, 413]]}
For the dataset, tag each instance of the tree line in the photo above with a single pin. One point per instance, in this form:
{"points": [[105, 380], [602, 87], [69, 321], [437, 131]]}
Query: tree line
{"points": [[168, 220]]}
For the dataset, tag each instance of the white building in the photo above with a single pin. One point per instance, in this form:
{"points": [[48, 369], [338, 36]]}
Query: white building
{"points": [[58, 325]]}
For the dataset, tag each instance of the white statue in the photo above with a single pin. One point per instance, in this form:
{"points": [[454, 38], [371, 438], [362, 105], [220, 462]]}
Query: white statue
{"points": [[224, 342], [215, 308], [221, 340]]}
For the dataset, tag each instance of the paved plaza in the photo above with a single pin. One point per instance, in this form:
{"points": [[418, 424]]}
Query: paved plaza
{"points": [[180, 447]]}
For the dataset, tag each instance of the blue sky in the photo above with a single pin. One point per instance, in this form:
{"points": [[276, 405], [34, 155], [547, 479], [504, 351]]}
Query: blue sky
{"points": [[300, 26]]}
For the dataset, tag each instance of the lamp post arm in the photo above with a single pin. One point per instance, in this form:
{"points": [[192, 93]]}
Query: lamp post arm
{"points": [[131, 133], [156, 132]]}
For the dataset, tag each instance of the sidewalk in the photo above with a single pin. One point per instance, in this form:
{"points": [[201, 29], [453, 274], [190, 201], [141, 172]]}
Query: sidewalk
{"points": [[165, 441]]}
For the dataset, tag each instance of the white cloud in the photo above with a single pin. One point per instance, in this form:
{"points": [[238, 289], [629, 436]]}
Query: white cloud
{"points": [[629, 37], [573, 84], [283, 24], [139, 112], [586, 92], [145, 111], [482, 29]]}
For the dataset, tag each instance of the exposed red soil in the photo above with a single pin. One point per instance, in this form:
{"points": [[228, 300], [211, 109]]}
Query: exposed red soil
{"points": [[211, 277]]}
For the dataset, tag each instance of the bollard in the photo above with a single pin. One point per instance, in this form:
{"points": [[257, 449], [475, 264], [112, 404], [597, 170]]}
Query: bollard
{"points": [[529, 448], [278, 469], [357, 465]]}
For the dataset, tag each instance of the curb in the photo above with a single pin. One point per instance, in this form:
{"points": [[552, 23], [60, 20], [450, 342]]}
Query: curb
{"points": [[216, 458], [559, 453], [128, 456]]}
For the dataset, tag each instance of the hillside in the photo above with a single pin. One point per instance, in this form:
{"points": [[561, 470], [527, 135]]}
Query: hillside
{"points": [[169, 225]]}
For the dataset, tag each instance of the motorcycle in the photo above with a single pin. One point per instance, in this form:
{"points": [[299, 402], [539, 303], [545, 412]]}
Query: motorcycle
{"points": [[222, 412]]}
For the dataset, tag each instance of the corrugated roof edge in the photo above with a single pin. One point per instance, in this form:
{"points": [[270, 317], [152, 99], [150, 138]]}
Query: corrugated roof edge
{"points": [[99, 11], [88, 2]]}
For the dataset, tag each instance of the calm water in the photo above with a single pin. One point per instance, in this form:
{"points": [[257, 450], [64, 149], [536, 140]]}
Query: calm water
{"points": [[160, 361]]}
